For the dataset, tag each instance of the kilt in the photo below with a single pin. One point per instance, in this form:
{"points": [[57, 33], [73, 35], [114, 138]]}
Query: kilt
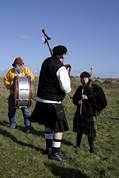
{"points": [[84, 125], [50, 115]]}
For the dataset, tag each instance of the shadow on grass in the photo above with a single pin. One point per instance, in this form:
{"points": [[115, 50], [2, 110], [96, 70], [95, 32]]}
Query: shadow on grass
{"points": [[34, 131], [66, 142], [14, 139], [115, 118], [4, 123], [38, 133], [62, 172]]}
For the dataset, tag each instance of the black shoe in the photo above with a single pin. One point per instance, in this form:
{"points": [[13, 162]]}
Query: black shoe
{"points": [[48, 151], [77, 146], [27, 130], [92, 150], [57, 157]]}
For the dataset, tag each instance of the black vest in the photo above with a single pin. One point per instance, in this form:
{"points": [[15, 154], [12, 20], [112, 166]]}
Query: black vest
{"points": [[48, 87]]}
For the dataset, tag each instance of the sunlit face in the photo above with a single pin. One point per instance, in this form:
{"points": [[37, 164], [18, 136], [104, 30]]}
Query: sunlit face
{"points": [[85, 80]]}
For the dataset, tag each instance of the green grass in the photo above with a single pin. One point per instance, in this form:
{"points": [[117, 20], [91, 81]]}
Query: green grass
{"points": [[21, 155]]}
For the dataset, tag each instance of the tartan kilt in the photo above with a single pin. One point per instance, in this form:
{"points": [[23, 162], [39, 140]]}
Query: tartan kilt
{"points": [[50, 115], [84, 125]]}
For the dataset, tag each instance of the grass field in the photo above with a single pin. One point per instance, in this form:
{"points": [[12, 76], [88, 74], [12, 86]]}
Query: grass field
{"points": [[22, 155]]}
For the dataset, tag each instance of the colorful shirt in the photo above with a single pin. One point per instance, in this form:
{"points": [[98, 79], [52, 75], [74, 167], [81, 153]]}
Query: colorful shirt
{"points": [[11, 74]]}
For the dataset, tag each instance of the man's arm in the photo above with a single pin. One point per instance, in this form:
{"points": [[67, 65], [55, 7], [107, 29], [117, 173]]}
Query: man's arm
{"points": [[8, 80], [64, 79], [29, 73]]}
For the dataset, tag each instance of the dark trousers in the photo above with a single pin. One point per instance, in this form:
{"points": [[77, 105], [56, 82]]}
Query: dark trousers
{"points": [[90, 141]]}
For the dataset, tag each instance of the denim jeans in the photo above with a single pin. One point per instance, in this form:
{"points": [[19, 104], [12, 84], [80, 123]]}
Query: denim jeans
{"points": [[12, 113]]}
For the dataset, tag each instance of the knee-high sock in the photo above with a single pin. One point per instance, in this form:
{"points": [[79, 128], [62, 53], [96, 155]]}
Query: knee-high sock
{"points": [[48, 138], [56, 143], [91, 143], [78, 139]]}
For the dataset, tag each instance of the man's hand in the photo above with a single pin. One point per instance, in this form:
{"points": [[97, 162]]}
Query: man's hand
{"points": [[9, 86], [84, 97], [28, 76]]}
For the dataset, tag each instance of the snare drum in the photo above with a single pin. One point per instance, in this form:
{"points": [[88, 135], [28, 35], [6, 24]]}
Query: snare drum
{"points": [[22, 91]]}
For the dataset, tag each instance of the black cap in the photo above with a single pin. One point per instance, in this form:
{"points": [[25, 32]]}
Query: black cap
{"points": [[85, 74], [59, 50]]}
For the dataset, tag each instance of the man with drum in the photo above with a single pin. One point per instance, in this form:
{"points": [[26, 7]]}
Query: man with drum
{"points": [[18, 70], [54, 83]]}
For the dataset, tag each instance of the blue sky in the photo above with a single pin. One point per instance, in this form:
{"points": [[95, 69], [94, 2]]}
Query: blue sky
{"points": [[88, 28]]}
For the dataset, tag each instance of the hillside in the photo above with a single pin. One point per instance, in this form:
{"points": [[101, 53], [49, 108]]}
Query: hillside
{"points": [[22, 155]]}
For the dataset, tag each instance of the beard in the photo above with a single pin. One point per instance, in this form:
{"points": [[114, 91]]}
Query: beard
{"points": [[19, 68]]}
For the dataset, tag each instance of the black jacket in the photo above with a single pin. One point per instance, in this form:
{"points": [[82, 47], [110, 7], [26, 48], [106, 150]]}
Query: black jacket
{"points": [[96, 100], [48, 87]]}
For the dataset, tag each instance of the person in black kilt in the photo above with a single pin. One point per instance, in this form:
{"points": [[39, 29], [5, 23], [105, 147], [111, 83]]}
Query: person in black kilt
{"points": [[90, 100], [54, 83]]}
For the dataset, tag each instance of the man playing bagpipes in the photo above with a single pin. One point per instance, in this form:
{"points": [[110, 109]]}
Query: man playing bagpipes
{"points": [[54, 83], [90, 100]]}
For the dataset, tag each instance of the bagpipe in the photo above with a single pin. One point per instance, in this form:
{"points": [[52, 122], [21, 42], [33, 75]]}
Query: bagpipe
{"points": [[46, 41]]}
